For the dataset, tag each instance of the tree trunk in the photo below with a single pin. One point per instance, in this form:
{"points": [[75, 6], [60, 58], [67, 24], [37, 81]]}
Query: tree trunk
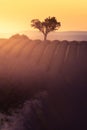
{"points": [[45, 37]]}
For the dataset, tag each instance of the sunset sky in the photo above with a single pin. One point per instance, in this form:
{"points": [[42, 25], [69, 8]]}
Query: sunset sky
{"points": [[15, 15]]}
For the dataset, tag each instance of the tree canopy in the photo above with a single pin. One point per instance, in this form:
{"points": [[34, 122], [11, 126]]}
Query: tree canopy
{"points": [[46, 26]]}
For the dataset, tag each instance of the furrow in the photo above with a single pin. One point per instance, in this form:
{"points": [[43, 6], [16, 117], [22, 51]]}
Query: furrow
{"points": [[12, 47], [22, 48], [36, 54], [67, 52], [51, 58], [78, 50], [44, 62], [72, 54], [42, 53], [56, 58], [31, 51]]}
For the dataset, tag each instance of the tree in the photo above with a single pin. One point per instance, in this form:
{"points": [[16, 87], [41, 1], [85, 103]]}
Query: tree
{"points": [[48, 25]]}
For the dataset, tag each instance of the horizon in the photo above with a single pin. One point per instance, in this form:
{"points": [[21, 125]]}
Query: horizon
{"points": [[55, 35]]}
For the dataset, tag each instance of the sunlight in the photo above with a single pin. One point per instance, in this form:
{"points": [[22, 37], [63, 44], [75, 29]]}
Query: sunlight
{"points": [[16, 15], [8, 29]]}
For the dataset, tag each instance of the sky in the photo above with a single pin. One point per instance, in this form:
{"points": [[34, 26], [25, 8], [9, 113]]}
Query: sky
{"points": [[16, 15]]}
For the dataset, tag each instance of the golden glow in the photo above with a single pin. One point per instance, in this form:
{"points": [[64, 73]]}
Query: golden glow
{"points": [[15, 15]]}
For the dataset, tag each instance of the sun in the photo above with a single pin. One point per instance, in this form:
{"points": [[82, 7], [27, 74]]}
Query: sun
{"points": [[8, 29]]}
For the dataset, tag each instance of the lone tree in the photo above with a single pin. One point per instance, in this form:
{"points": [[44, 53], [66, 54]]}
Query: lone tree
{"points": [[46, 26]]}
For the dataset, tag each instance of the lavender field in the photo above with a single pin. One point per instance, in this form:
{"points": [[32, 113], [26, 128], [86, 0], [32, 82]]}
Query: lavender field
{"points": [[43, 85]]}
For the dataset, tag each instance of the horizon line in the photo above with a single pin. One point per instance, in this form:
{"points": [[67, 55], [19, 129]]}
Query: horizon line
{"points": [[39, 31]]}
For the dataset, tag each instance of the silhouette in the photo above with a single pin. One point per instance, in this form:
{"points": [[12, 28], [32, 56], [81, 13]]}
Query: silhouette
{"points": [[46, 26]]}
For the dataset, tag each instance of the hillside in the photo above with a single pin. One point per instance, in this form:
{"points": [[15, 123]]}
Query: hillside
{"points": [[22, 58], [58, 67]]}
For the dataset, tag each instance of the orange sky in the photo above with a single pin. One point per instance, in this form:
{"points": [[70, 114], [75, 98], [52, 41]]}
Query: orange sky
{"points": [[15, 15]]}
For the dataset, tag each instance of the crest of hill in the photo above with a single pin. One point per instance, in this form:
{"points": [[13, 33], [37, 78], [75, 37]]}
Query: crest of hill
{"points": [[18, 36]]}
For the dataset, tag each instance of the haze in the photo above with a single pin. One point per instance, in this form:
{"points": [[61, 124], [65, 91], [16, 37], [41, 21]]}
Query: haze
{"points": [[15, 16]]}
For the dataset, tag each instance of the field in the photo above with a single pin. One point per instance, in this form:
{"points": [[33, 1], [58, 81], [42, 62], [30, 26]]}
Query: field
{"points": [[43, 85]]}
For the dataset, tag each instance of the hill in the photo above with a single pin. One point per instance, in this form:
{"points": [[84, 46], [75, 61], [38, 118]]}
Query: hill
{"points": [[58, 68]]}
